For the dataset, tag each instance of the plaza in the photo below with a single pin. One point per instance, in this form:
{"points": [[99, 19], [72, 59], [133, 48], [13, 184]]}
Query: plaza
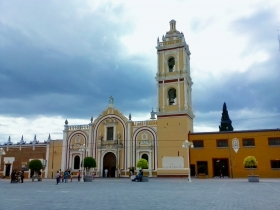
{"points": [[158, 193]]}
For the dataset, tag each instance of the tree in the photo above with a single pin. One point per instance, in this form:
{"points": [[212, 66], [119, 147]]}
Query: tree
{"points": [[142, 163], [250, 162], [225, 120], [35, 165], [89, 163]]}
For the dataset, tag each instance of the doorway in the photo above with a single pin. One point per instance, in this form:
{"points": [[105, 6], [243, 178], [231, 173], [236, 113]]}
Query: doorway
{"points": [[109, 163], [8, 169], [221, 167]]}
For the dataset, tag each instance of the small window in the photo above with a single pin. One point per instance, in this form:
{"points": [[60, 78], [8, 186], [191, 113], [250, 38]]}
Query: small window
{"points": [[76, 162], [110, 133], [171, 64], [198, 144], [145, 156], [275, 164], [222, 143], [171, 96], [248, 142], [274, 141]]}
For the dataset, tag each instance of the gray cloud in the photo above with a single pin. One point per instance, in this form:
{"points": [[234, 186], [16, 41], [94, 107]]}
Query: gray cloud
{"points": [[69, 67], [258, 88]]}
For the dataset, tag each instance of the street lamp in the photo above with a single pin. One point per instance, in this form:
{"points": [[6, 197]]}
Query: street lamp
{"points": [[2, 152], [82, 149], [188, 145]]}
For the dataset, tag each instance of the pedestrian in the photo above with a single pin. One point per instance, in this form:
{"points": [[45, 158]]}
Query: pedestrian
{"points": [[70, 174], [66, 174], [62, 177], [60, 180], [79, 175], [57, 177], [106, 172], [22, 176], [93, 175]]}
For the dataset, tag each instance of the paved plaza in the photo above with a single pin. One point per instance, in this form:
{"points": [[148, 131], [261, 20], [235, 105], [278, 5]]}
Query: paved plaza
{"points": [[158, 193]]}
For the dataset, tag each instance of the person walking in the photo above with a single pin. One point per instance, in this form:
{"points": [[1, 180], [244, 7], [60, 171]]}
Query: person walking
{"points": [[57, 177], [22, 176], [79, 175], [106, 172], [66, 174], [70, 175]]}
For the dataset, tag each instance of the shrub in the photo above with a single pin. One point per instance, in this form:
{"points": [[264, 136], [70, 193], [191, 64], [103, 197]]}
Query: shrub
{"points": [[250, 162], [89, 163], [35, 165], [143, 163]]}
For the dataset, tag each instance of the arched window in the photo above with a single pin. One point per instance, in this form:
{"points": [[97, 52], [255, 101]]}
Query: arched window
{"points": [[171, 96], [146, 157], [171, 64], [76, 162]]}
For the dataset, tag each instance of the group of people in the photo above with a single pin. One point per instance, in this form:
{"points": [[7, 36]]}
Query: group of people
{"points": [[17, 176], [63, 176]]}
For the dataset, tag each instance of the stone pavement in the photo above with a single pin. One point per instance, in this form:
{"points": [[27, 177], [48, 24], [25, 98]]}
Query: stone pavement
{"points": [[158, 193]]}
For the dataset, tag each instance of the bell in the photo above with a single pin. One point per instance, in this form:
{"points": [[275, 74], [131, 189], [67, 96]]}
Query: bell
{"points": [[171, 101]]}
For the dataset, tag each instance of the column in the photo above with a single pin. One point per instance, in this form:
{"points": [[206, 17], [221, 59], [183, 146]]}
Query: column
{"points": [[91, 142], [186, 93], [150, 164], [179, 95], [163, 96], [129, 144], [64, 149], [47, 160]]}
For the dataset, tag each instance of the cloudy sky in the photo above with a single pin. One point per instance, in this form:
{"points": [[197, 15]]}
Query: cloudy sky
{"points": [[64, 59]]}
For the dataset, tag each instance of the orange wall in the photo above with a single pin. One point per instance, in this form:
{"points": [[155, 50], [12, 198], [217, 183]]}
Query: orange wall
{"points": [[261, 151]]}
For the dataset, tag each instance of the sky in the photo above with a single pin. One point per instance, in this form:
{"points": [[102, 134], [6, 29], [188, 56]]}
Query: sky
{"points": [[64, 59]]}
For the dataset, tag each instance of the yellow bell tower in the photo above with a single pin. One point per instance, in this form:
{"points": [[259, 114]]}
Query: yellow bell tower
{"points": [[174, 112]]}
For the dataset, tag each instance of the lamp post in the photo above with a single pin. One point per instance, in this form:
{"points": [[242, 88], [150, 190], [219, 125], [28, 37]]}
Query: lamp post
{"points": [[82, 149], [188, 145], [2, 152]]}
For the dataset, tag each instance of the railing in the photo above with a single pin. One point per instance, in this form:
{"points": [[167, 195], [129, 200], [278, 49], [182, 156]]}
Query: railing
{"points": [[171, 42], [77, 127], [144, 123]]}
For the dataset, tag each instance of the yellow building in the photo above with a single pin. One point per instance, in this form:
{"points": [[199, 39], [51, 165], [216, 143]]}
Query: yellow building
{"points": [[224, 152]]}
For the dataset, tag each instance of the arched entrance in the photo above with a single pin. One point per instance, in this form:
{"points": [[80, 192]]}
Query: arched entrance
{"points": [[109, 163]]}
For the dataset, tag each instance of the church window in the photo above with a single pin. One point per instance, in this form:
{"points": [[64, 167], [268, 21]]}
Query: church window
{"points": [[76, 162], [274, 141], [198, 144], [248, 142], [145, 156], [171, 64], [222, 143], [110, 133], [275, 164], [171, 96]]}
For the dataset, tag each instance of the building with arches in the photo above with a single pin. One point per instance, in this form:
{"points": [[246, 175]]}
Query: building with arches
{"points": [[117, 142]]}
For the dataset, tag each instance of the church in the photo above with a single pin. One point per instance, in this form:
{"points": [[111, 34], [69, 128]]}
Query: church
{"points": [[117, 142]]}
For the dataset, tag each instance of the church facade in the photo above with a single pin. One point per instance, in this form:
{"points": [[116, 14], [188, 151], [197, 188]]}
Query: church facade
{"points": [[117, 142]]}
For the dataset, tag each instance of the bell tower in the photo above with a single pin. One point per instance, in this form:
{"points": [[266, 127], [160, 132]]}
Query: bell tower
{"points": [[174, 85]]}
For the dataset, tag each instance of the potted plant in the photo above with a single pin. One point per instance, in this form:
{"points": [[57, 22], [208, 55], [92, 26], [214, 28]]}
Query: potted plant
{"points": [[88, 163], [36, 166], [201, 171], [251, 162]]}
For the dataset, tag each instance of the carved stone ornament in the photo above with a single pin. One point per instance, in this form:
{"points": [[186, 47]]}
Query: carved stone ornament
{"points": [[235, 144], [110, 121]]}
